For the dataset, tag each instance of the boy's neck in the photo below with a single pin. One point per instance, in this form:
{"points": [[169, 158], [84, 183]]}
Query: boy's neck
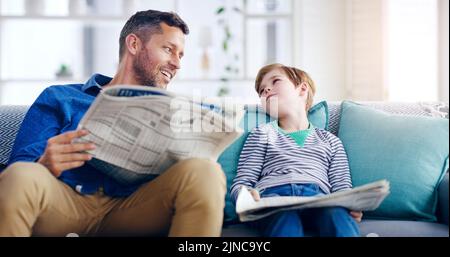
{"points": [[294, 122]]}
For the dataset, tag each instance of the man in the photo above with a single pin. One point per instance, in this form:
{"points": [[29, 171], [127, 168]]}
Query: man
{"points": [[49, 189]]}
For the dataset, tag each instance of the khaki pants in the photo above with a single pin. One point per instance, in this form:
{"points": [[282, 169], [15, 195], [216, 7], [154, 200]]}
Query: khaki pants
{"points": [[186, 200]]}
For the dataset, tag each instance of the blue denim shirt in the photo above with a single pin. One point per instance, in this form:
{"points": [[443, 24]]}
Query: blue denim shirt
{"points": [[59, 109]]}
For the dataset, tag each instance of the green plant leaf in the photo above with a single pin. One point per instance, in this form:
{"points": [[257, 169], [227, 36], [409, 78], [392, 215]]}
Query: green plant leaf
{"points": [[225, 45], [227, 32], [223, 91], [220, 10]]}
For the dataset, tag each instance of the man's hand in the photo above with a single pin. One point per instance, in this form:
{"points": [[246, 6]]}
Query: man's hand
{"points": [[357, 215], [61, 154], [255, 194]]}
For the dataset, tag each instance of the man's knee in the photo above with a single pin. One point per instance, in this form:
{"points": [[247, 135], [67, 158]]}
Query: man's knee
{"points": [[203, 172], [202, 180], [21, 176]]}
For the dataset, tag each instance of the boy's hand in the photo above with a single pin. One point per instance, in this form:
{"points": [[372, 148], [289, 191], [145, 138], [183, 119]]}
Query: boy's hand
{"points": [[255, 194], [357, 215]]}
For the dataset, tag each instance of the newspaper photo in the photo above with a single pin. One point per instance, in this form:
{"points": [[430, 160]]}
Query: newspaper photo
{"points": [[140, 131], [363, 198]]}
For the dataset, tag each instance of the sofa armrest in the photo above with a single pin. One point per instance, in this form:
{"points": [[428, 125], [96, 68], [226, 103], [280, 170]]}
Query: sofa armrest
{"points": [[443, 200]]}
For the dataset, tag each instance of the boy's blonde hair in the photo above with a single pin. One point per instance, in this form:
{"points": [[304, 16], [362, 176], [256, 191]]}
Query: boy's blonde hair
{"points": [[296, 76]]}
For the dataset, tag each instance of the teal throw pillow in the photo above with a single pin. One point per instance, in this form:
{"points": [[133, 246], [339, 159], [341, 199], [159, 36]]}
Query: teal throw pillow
{"points": [[410, 152]]}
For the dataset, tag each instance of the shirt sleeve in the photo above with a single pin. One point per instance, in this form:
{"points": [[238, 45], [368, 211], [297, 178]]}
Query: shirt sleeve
{"points": [[251, 161], [339, 171], [42, 121]]}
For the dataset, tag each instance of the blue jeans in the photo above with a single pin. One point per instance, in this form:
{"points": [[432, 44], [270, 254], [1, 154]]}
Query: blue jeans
{"points": [[328, 221]]}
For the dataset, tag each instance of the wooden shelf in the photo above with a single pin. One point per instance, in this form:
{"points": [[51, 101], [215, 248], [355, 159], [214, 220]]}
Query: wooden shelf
{"points": [[85, 18], [82, 80], [50, 80], [269, 16]]}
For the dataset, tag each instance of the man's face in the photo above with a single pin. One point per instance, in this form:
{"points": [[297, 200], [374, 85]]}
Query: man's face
{"points": [[158, 61]]}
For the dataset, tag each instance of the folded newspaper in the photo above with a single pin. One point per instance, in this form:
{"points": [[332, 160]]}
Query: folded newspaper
{"points": [[363, 198], [141, 131]]}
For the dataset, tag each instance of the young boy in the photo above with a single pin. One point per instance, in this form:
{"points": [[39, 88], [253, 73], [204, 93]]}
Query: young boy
{"points": [[290, 157]]}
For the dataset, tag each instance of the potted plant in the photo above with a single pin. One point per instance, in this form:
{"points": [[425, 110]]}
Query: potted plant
{"points": [[230, 69]]}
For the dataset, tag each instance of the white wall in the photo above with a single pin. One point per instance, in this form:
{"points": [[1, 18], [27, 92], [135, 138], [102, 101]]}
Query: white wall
{"points": [[321, 41], [340, 43], [412, 52], [443, 50], [373, 50], [365, 60]]}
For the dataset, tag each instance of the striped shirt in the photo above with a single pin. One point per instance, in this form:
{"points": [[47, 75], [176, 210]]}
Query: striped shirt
{"points": [[271, 158]]}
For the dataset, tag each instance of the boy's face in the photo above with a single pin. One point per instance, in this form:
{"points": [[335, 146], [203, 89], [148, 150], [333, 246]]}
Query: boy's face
{"points": [[278, 94]]}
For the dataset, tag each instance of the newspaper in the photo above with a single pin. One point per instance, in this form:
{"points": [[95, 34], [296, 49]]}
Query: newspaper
{"points": [[141, 131], [363, 198]]}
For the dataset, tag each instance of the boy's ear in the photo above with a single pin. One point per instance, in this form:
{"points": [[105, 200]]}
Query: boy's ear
{"points": [[303, 88]]}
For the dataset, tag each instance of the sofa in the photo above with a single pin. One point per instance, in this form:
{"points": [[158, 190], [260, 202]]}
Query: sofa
{"points": [[11, 117]]}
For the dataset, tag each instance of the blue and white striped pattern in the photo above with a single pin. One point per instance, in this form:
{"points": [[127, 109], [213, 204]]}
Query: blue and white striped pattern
{"points": [[270, 158], [10, 119]]}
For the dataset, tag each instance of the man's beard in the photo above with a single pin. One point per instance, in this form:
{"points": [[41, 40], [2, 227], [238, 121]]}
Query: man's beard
{"points": [[141, 67]]}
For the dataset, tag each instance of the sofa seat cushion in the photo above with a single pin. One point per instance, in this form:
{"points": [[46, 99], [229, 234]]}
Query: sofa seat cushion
{"points": [[368, 228], [401, 228]]}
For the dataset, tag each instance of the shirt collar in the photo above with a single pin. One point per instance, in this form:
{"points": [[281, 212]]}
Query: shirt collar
{"points": [[275, 125], [95, 83]]}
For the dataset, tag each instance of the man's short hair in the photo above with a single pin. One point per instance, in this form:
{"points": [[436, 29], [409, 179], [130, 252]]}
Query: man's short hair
{"points": [[146, 23]]}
